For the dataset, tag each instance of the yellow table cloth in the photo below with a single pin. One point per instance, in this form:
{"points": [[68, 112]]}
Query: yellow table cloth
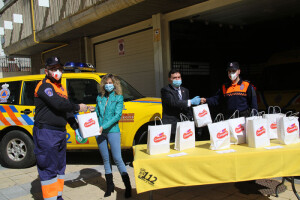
{"points": [[204, 166]]}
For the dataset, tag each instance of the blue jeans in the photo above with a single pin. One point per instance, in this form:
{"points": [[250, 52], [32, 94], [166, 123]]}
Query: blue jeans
{"points": [[114, 141]]}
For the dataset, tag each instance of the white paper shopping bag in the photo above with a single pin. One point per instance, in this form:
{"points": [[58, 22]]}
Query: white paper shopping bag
{"points": [[272, 118], [258, 135], [158, 140], [185, 134], [254, 114], [88, 124], [288, 130], [219, 134], [237, 127], [201, 115]]}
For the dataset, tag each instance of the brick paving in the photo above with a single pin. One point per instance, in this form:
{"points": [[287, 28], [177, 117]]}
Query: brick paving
{"points": [[86, 181]]}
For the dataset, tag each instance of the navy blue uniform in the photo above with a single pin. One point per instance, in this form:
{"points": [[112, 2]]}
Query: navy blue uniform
{"points": [[53, 111], [240, 96]]}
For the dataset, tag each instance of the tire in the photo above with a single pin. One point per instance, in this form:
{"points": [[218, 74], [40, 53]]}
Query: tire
{"points": [[142, 139], [16, 150]]}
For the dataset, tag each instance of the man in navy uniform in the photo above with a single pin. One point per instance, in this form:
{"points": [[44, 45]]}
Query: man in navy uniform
{"points": [[235, 95]]}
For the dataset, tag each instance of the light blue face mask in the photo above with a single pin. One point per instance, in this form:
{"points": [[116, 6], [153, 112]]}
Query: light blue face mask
{"points": [[109, 87], [176, 83]]}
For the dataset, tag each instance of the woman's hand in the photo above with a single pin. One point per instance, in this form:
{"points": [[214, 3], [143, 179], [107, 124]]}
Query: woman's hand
{"points": [[101, 129]]}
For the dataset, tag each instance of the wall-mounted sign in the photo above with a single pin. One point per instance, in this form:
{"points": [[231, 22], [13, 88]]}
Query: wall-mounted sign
{"points": [[44, 3], [18, 18], [121, 47], [156, 35], [8, 25]]}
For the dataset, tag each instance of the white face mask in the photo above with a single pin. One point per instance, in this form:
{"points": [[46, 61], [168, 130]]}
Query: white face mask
{"points": [[57, 75], [233, 76]]}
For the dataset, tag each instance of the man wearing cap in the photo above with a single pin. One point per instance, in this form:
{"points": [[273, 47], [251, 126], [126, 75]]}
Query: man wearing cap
{"points": [[235, 95], [53, 111]]}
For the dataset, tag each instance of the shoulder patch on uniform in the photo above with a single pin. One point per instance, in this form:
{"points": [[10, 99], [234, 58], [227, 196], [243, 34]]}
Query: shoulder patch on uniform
{"points": [[49, 92], [242, 86]]}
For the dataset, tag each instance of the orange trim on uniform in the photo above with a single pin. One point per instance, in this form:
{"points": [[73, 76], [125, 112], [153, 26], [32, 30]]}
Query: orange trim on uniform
{"points": [[50, 190], [37, 88], [3, 119], [236, 88], [61, 183], [12, 115], [59, 89]]}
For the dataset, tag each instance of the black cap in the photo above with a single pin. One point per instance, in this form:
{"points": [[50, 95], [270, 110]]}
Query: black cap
{"points": [[53, 61], [233, 66]]}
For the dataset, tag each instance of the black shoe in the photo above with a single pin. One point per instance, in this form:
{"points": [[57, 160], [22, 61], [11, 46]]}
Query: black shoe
{"points": [[110, 187], [127, 184]]}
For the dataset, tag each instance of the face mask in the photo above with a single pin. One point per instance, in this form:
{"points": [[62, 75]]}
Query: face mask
{"points": [[57, 75], [109, 87], [232, 76], [176, 83]]}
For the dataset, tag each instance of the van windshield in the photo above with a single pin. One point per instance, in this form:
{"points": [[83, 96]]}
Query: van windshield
{"points": [[281, 77], [129, 93]]}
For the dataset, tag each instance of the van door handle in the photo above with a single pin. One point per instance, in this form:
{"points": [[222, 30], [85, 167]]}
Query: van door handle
{"points": [[26, 111]]}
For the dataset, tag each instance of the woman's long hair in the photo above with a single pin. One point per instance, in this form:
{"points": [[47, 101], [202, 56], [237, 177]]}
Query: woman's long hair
{"points": [[116, 82]]}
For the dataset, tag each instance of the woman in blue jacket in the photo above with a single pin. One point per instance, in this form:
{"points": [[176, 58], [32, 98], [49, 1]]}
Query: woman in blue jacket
{"points": [[109, 110]]}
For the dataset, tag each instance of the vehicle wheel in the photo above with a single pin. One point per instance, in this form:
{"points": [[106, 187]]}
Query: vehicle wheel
{"points": [[142, 139], [17, 150]]}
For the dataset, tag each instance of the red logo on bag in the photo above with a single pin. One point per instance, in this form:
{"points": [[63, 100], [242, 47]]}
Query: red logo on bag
{"points": [[203, 113], [89, 123], [188, 134], [160, 137], [239, 128], [260, 131], [292, 128], [273, 125], [222, 134]]}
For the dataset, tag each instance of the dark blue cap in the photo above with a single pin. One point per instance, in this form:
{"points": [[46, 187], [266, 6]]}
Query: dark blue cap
{"points": [[233, 66], [53, 61]]}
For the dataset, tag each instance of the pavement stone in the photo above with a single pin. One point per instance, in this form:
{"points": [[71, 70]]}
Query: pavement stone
{"points": [[88, 182]]}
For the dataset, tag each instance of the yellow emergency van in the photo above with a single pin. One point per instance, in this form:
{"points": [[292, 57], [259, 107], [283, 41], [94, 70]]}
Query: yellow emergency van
{"points": [[17, 114]]}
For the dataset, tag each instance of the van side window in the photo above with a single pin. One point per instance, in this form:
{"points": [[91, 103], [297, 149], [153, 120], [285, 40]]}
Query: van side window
{"points": [[82, 90], [10, 92], [28, 92]]}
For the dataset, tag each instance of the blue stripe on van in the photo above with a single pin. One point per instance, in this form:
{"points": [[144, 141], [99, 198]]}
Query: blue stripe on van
{"points": [[27, 119], [2, 109], [13, 108]]}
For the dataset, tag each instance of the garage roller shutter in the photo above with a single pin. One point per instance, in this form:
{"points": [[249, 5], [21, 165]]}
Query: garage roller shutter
{"points": [[136, 66]]}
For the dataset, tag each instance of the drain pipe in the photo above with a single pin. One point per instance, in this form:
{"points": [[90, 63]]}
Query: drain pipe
{"points": [[37, 42]]}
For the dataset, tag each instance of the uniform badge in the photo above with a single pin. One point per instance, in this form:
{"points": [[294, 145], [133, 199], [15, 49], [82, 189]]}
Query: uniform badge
{"points": [[242, 87], [49, 92], [4, 93]]}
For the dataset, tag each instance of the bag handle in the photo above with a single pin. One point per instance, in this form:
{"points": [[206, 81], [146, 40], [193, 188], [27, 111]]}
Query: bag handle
{"points": [[183, 117], [278, 109], [274, 109], [269, 109], [233, 115], [219, 117], [261, 113], [159, 120], [292, 114], [252, 112]]}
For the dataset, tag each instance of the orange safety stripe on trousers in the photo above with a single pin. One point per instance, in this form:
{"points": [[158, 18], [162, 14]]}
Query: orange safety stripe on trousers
{"points": [[60, 184], [2, 118], [12, 115], [50, 190]]}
